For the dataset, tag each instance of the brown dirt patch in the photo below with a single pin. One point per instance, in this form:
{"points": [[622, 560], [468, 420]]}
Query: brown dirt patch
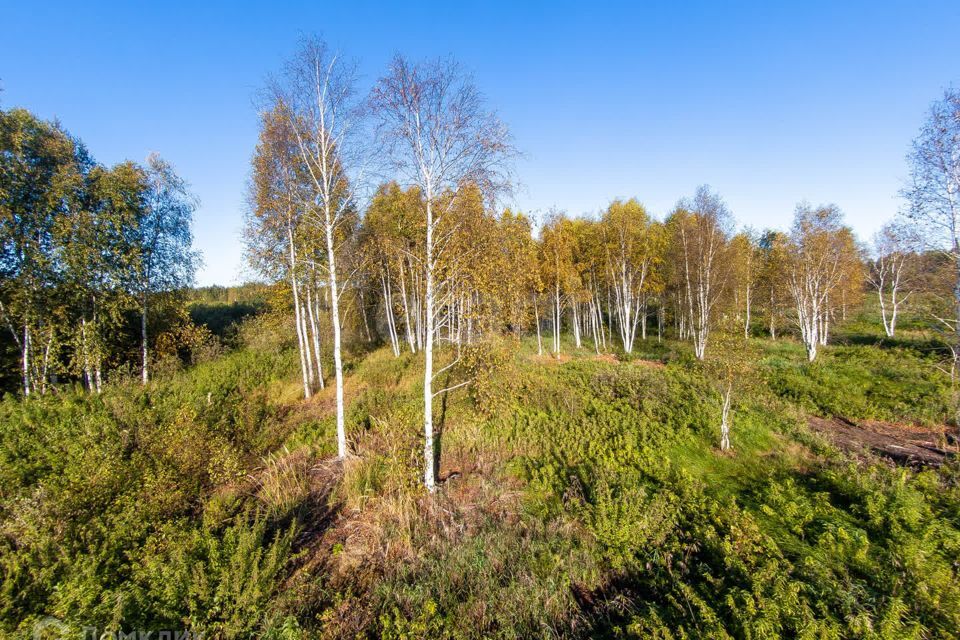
{"points": [[605, 357], [653, 364], [904, 444], [560, 358]]}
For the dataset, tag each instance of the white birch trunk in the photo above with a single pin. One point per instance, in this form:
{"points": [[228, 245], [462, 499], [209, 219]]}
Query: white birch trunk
{"points": [[556, 320], [746, 322], [429, 453], [536, 316], [301, 342], [305, 331], [388, 312], [725, 420], [335, 321], [406, 311], [315, 337], [576, 325], [87, 368], [26, 361], [144, 371]]}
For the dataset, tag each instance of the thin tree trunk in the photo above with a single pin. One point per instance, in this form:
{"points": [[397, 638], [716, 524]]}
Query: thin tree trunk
{"points": [[429, 454], [26, 360], [388, 312], [87, 369], [746, 323], [301, 340], [773, 317], [406, 312], [306, 345], [576, 325], [660, 313], [46, 363], [643, 320], [469, 321], [363, 313], [97, 358], [536, 315], [315, 336], [725, 420], [335, 320], [556, 321], [144, 372]]}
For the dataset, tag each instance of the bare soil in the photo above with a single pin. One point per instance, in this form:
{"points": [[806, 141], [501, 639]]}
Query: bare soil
{"points": [[904, 444], [653, 364]]}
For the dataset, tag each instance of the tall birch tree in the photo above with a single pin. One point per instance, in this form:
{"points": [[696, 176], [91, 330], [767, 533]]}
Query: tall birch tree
{"points": [[632, 252], [772, 277], [558, 268], [933, 192], [317, 95], [701, 228], [96, 255], [162, 260], [821, 251], [278, 239], [743, 250], [434, 126], [39, 169], [889, 273]]}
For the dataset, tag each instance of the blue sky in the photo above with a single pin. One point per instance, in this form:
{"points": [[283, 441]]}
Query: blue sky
{"points": [[769, 103]]}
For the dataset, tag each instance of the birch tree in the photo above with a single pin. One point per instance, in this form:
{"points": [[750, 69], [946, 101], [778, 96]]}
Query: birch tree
{"points": [[701, 228], [772, 277], [317, 95], [889, 273], [162, 260], [557, 268], [96, 255], [820, 251], [39, 169], [440, 137], [518, 270], [632, 252], [81, 246], [729, 367], [743, 250], [933, 192], [392, 238], [592, 265], [278, 239]]}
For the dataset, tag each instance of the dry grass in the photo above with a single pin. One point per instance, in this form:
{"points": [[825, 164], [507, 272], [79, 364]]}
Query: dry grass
{"points": [[282, 482]]}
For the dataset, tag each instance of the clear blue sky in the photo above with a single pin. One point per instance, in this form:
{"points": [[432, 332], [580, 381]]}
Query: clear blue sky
{"points": [[768, 103]]}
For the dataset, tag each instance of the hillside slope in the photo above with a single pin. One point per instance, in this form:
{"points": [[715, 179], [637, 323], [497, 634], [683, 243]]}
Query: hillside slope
{"points": [[580, 496]]}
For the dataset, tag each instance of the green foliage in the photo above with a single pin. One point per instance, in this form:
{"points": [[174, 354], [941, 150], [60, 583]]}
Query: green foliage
{"points": [[589, 500], [697, 545], [101, 497], [84, 247], [865, 382], [222, 319], [221, 581]]}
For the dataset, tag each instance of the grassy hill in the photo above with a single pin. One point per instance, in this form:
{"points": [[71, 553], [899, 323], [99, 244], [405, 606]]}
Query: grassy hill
{"points": [[581, 496]]}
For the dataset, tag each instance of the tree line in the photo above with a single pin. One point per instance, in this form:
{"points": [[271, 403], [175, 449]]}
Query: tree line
{"points": [[86, 253], [379, 212], [378, 216]]}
